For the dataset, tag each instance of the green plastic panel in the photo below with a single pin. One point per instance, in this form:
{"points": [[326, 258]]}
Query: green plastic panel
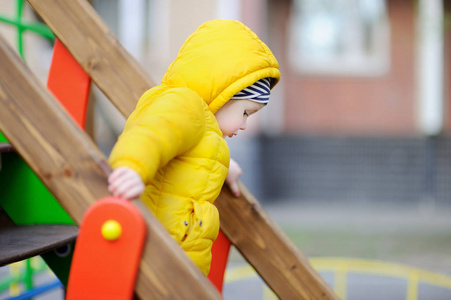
{"points": [[2, 138], [60, 263], [24, 197]]}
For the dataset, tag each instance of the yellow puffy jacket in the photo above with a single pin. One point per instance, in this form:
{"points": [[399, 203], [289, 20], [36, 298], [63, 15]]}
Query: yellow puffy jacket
{"points": [[172, 138]]}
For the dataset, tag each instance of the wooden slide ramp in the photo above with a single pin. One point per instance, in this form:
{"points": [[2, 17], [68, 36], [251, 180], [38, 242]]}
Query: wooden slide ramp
{"points": [[75, 171]]}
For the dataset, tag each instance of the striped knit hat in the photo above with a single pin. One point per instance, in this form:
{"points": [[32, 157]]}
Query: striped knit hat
{"points": [[258, 92]]}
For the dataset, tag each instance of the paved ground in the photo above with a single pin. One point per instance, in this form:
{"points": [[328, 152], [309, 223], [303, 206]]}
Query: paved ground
{"points": [[418, 236]]}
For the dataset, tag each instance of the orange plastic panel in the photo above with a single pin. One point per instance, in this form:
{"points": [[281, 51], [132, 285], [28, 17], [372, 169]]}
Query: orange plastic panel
{"points": [[69, 83], [220, 252], [107, 252]]}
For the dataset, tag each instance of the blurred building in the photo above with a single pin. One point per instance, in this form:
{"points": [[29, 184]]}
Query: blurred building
{"points": [[366, 107], [362, 111]]}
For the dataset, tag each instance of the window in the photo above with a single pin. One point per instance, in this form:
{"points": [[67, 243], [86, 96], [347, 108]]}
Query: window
{"points": [[340, 37]]}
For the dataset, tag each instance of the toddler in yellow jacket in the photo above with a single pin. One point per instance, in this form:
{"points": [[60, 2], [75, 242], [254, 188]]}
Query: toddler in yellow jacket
{"points": [[173, 152]]}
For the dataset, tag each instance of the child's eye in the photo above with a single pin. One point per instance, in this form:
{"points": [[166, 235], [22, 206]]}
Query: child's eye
{"points": [[246, 114]]}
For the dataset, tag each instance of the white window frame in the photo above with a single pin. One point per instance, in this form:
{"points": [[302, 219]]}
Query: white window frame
{"points": [[354, 60]]}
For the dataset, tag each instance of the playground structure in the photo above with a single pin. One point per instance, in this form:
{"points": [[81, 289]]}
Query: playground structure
{"points": [[75, 171]]}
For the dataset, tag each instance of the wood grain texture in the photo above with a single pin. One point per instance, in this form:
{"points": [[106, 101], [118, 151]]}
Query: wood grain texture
{"points": [[75, 172], [21, 242], [256, 236], [97, 50]]}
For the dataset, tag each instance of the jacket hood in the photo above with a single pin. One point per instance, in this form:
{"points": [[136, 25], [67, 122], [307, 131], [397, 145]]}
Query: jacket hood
{"points": [[219, 59]]}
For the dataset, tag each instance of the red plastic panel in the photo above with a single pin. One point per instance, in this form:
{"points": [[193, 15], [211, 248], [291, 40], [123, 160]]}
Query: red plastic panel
{"points": [[105, 265], [69, 83], [220, 252]]}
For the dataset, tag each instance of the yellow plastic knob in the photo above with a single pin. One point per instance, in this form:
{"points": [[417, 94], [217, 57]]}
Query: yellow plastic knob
{"points": [[111, 230]]}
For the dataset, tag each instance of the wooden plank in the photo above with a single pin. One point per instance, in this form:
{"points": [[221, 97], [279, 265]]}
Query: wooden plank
{"points": [[75, 171], [21, 242], [280, 264], [97, 50], [5, 147]]}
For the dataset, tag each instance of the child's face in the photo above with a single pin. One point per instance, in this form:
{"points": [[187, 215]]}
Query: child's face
{"points": [[233, 115]]}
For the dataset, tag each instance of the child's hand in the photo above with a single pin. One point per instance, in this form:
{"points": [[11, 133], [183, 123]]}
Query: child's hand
{"points": [[232, 178], [125, 183]]}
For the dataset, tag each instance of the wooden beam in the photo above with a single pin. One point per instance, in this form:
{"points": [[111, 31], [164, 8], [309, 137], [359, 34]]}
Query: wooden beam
{"points": [[75, 171], [98, 51], [256, 236]]}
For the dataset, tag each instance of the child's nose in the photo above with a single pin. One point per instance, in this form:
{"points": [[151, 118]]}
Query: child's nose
{"points": [[243, 126]]}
